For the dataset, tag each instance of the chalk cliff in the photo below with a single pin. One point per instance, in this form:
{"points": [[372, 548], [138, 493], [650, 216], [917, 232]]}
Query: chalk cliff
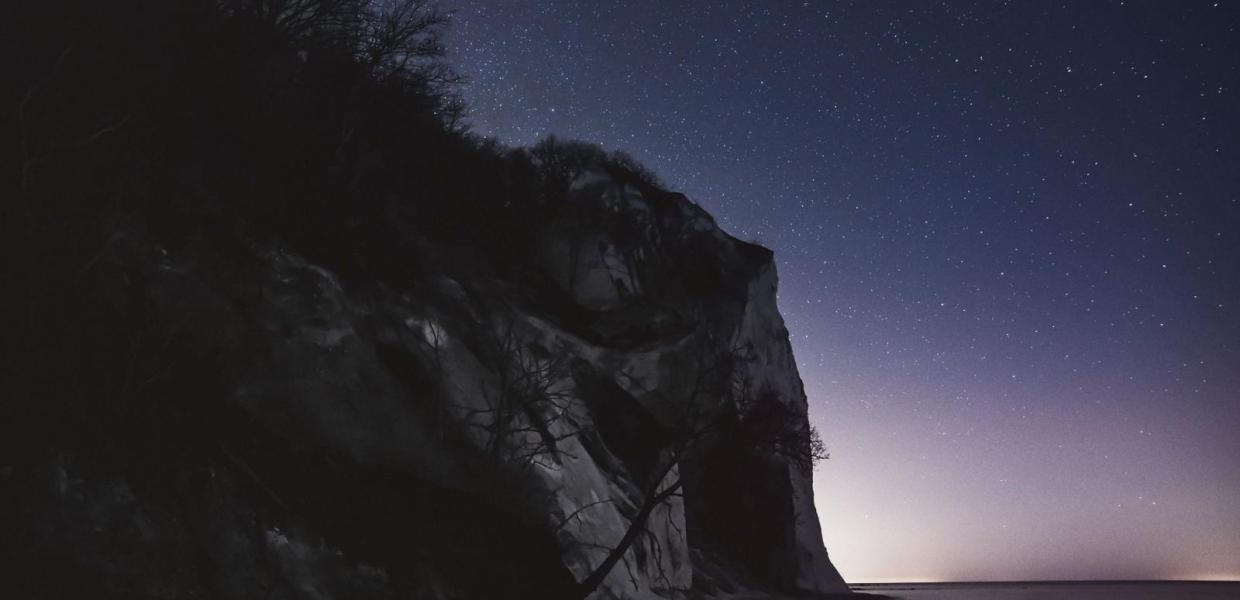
{"points": [[267, 429]]}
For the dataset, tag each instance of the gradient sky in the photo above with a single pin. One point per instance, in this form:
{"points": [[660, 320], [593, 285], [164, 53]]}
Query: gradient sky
{"points": [[1008, 235]]}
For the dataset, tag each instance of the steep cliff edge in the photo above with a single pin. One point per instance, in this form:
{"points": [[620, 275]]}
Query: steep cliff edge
{"points": [[262, 429], [279, 326]]}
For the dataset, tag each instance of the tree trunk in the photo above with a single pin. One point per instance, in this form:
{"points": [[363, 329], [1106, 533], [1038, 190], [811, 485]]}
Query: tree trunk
{"points": [[636, 527]]}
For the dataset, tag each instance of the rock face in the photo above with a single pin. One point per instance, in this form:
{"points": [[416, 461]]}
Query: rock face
{"points": [[279, 433]]}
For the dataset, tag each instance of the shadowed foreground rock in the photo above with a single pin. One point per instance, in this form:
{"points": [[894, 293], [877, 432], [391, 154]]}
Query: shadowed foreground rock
{"points": [[265, 430]]}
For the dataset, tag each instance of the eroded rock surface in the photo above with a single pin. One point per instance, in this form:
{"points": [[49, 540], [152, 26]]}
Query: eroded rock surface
{"points": [[268, 430]]}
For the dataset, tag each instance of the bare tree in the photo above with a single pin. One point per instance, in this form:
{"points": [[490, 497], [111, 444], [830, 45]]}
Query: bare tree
{"points": [[391, 38], [718, 404], [715, 402], [405, 36], [520, 412]]}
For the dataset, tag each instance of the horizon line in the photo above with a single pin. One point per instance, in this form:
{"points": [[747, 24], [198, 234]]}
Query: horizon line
{"points": [[1203, 579]]}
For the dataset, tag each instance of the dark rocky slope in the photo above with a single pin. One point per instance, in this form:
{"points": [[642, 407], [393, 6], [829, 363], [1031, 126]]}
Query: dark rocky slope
{"points": [[277, 328], [276, 433]]}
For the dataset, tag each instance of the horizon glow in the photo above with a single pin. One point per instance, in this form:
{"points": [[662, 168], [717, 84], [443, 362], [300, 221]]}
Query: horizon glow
{"points": [[1007, 236]]}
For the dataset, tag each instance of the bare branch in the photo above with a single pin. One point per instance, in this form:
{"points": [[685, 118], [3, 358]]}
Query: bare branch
{"points": [[577, 512]]}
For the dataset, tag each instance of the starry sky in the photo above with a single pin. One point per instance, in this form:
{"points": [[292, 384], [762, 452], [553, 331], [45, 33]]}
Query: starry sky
{"points": [[1008, 236]]}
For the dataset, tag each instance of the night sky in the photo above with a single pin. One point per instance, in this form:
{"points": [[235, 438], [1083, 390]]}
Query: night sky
{"points": [[1008, 237]]}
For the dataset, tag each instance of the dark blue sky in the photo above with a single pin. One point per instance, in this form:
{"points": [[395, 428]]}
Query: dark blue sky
{"points": [[1009, 242]]}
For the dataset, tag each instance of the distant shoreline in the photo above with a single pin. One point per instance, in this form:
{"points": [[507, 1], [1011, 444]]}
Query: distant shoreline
{"points": [[1045, 582], [1089, 589]]}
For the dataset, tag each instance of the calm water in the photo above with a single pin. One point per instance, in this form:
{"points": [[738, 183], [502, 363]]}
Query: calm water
{"points": [[1071, 590]]}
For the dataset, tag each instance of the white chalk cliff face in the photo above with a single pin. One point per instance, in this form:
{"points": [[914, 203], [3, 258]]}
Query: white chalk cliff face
{"points": [[609, 273], [469, 438]]}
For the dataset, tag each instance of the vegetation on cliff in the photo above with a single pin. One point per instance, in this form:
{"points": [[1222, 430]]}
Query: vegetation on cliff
{"points": [[206, 197]]}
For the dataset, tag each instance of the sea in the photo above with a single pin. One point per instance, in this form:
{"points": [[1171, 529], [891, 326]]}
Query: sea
{"points": [[1057, 590]]}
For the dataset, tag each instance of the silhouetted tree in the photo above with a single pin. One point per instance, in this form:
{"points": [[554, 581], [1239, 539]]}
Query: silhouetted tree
{"points": [[560, 161], [717, 405], [521, 410], [389, 37]]}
